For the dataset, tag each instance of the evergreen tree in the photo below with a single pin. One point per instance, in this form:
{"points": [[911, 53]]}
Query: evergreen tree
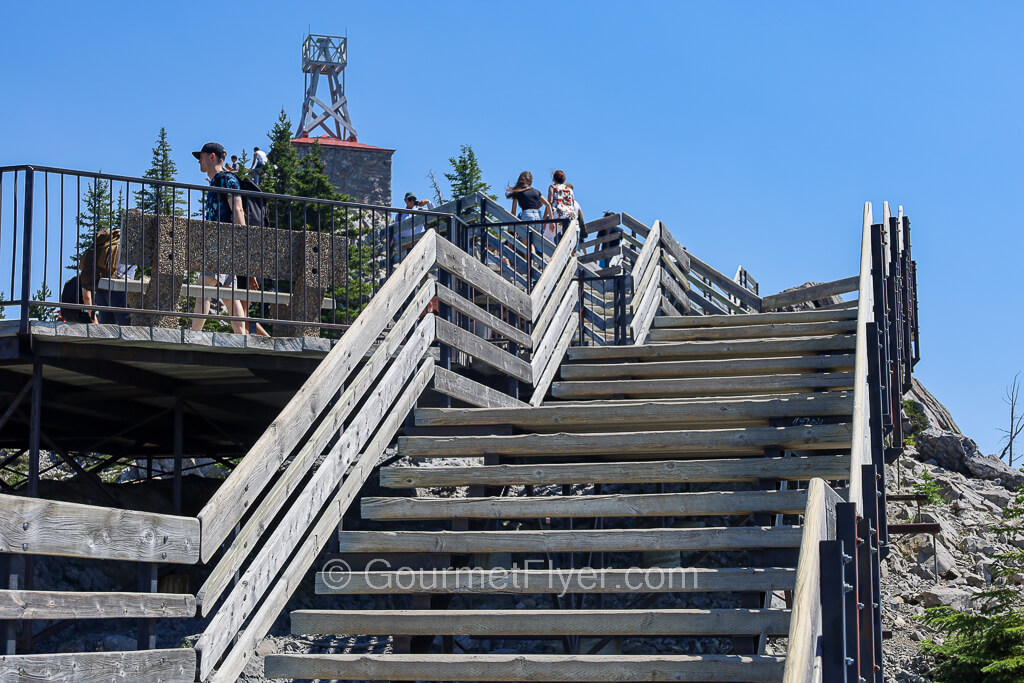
{"points": [[44, 313], [154, 198], [282, 158], [96, 212], [466, 176], [243, 166]]}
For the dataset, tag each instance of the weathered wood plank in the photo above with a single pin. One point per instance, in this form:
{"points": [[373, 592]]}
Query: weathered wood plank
{"points": [[526, 581], [725, 283], [616, 505], [278, 594], [839, 362], [544, 350], [472, 392], [702, 386], [287, 533], [707, 306], [470, 270], [800, 468], [806, 624], [464, 305], [634, 225], [551, 305], [814, 316], [560, 260], [767, 331], [49, 527], [609, 221], [681, 296], [582, 540], [803, 294], [529, 667], [484, 351], [260, 464], [711, 413], [644, 314], [540, 622], [666, 305], [649, 255], [750, 440], [861, 449], [741, 348], [543, 382], [29, 604], [678, 275], [176, 665], [669, 242], [270, 505]]}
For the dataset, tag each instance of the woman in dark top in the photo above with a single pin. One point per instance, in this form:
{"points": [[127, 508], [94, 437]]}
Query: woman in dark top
{"points": [[529, 200]]}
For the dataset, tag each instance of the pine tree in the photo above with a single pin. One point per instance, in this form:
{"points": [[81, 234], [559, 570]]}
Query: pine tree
{"points": [[96, 212], [154, 198], [243, 166], [44, 313], [466, 176], [282, 158]]}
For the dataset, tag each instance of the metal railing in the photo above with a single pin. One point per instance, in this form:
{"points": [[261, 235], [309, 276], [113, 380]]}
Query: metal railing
{"points": [[309, 269]]}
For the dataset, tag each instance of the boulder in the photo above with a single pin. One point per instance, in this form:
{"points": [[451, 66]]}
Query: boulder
{"points": [[959, 453], [957, 598]]}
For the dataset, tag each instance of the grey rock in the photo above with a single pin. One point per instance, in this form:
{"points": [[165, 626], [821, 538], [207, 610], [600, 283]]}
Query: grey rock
{"points": [[957, 598]]}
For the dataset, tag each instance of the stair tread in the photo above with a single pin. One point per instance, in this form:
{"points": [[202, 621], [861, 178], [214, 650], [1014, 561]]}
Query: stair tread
{"points": [[737, 441], [613, 505], [762, 332], [579, 540], [754, 318], [524, 581], [710, 368], [654, 471], [741, 348], [528, 667]]}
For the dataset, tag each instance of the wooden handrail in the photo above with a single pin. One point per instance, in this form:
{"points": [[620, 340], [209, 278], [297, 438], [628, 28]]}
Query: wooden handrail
{"points": [[811, 292], [861, 447], [802, 658]]}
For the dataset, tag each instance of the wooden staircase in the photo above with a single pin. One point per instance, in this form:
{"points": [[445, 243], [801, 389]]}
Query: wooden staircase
{"points": [[659, 474]]}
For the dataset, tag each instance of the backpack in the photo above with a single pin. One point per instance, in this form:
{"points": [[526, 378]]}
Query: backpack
{"points": [[100, 260], [72, 294], [255, 207]]}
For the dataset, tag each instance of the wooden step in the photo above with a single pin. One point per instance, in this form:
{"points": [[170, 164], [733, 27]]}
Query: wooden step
{"points": [[743, 348], [641, 505], [174, 665], [802, 468], [676, 413], [542, 622], [711, 368], [528, 667], [746, 441], [401, 581], [702, 386], [769, 331], [813, 316], [582, 540]]}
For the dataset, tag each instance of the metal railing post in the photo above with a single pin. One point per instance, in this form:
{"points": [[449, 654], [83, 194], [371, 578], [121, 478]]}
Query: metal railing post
{"points": [[26, 258], [833, 623]]}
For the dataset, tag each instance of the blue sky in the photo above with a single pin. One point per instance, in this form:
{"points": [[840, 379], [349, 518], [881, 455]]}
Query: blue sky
{"points": [[755, 131]]}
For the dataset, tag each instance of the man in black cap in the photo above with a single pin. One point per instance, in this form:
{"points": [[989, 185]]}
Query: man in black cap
{"points": [[222, 207]]}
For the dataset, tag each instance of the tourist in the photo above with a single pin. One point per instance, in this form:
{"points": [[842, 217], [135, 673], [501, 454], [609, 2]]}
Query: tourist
{"points": [[233, 166], [529, 200], [259, 165], [74, 293], [562, 197], [222, 207]]}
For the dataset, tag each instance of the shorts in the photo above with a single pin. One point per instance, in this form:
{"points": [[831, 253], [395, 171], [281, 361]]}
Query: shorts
{"points": [[222, 278]]}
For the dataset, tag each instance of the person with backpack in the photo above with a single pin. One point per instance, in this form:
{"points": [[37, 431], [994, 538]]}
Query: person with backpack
{"points": [[102, 261], [562, 197], [259, 164], [74, 293], [222, 207]]}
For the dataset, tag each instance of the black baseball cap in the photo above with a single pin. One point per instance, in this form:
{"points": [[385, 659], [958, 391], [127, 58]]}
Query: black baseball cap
{"points": [[214, 147]]}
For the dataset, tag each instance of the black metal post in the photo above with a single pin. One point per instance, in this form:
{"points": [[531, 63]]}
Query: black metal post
{"points": [[26, 258], [846, 531], [179, 447], [833, 622], [11, 569], [147, 625]]}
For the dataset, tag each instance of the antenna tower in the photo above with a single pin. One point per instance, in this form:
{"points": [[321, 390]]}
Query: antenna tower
{"points": [[325, 56]]}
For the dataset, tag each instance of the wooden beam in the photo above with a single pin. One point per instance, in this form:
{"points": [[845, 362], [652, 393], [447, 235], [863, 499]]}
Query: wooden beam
{"points": [[725, 283], [803, 294], [740, 348], [479, 276], [467, 307], [542, 382], [177, 665], [550, 306], [545, 349], [528, 667], [28, 604], [471, 392], [583, 540], [814, 316], [702, 386], [49, 527], [527, 581], [617, 505], [768, 331], [540, 622], [674, 248], [482, 350], [634, 225], [840, 362], [751, 440], [792, 468]]}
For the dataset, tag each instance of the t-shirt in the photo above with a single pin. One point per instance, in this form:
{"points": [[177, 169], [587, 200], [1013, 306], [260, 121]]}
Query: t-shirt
{"points": [[259, 158], [528, 199], [218, 204], [563, 203]]}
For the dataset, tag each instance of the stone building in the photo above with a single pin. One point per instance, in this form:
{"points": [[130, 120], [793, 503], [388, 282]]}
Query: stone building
{"points": [[359, 170]]}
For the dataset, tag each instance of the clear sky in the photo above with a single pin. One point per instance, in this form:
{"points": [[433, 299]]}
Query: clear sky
{"points": [[754, 130]]}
